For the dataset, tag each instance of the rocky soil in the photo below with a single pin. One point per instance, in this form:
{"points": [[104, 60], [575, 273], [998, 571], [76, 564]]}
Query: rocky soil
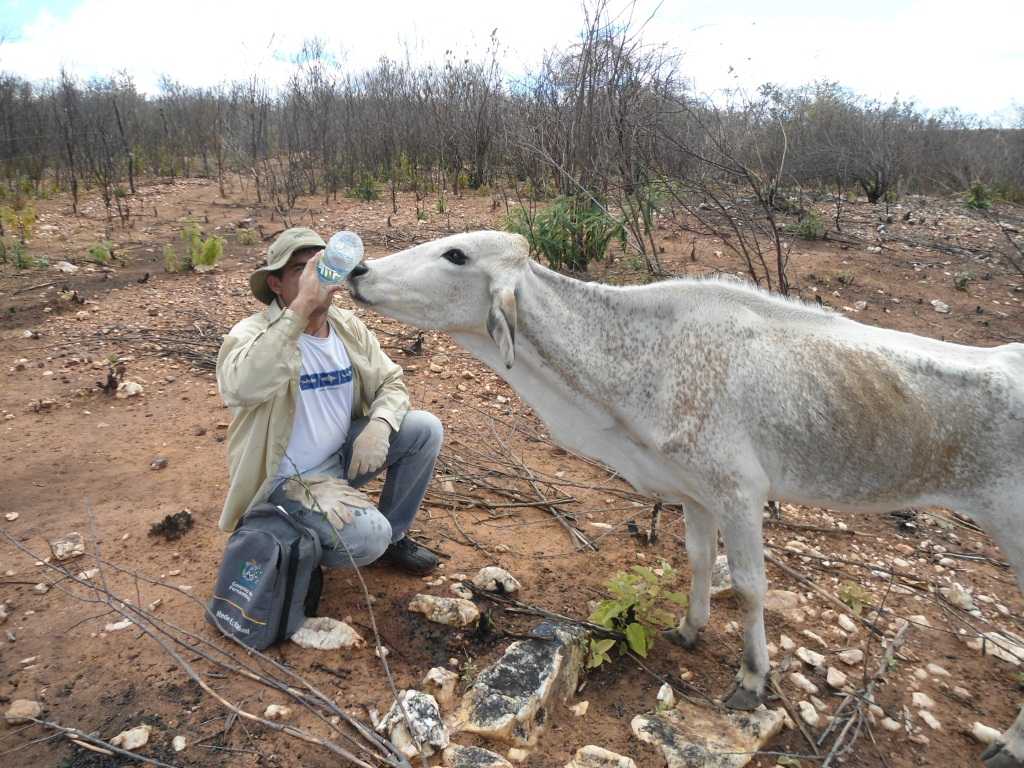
{"points": [[141, 479]]}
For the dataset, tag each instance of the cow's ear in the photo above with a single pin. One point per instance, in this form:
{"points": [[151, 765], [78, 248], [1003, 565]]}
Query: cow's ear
{"points": [[501, 323]]}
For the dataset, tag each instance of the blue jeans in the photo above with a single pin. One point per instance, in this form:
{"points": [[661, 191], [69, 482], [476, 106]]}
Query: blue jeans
{"points": [[409, 465]]}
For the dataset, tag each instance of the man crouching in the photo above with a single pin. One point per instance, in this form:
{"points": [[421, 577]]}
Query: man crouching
{"points": [[318, 411]]}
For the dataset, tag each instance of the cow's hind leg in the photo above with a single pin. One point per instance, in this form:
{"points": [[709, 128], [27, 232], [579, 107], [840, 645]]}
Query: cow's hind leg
{"points": [[701, 550]]}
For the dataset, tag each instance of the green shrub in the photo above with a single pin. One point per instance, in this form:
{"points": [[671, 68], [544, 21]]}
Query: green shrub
{"points": [[16, 252], [811, 227], [366, 189], [100, 252], [212, 249], [962, 280], [200, 251], [980, 196], [569, 232], [172, 262], [245, 236], [633, 610]]}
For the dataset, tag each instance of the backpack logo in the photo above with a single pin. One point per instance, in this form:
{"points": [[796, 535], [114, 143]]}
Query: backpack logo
{"points": [[250, 573]]}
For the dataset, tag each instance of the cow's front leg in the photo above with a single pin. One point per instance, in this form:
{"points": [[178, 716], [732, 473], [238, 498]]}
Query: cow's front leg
{"points": [[741, 535], [701, 549]]}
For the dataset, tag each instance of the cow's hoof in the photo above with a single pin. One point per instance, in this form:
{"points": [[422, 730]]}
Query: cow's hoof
{"points": [[742, 699], [997, 756], [676, 636]]}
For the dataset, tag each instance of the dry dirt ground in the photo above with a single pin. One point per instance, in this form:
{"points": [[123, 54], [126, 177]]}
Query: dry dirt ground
{"points": [[77, 458]]}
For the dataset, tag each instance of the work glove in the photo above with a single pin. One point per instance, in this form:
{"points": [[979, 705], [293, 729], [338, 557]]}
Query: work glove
{"points": [[333, 498], [370, 449]]}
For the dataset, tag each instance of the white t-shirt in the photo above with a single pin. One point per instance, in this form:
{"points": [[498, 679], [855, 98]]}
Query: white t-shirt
{"points": [[324, 409]]}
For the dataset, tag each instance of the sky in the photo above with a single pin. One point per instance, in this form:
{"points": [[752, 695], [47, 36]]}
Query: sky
{"points": [[935, 53]]}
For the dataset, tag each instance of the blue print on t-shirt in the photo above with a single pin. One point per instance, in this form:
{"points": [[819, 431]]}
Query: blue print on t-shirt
{"points": [[326, 379]]}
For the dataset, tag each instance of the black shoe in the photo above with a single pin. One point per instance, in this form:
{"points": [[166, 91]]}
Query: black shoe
{"points": [[406, 555]]}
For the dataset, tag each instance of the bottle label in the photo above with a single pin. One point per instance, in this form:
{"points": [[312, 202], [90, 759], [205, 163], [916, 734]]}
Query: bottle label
{"points": [[327, 274]]}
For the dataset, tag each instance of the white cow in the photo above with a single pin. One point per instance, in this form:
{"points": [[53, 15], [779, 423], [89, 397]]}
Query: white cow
{"points": [[718, 396]]}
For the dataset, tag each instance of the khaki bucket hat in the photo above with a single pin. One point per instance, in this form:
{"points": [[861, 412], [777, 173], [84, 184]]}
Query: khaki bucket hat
{"points": [[287, 243]]}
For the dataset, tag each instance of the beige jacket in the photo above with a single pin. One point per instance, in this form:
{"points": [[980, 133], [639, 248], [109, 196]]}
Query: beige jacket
{"points": [[258, 372]]}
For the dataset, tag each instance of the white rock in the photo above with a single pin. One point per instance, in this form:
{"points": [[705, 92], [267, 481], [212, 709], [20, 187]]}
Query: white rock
{"points": [[41, 589], [66, 267], [721, 579], [984, 733], [835, 678], [930, 720], [592, 756], [786, 643], [517, 755], [808, 713], [579, 709], [919, 620], [424, 728], [117, 626], [921, 700], [666, 695], [936, 670], [494, 579], [179, 743], [23, 711], [816, 638], [10, 517], [277, 712], [960, 596], [461, 590], [440, 683], [940, 306], [851, 656], [801, 682], [811, 658], [133, 738], [326, 634], [846, 622], [128, 389], [890, 725], [72, 545], [450, 611]]}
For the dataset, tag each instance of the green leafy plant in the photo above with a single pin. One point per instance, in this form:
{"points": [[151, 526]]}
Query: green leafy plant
{"points": [[366, 189], [210, 251], [200, 251], [855, 596], [569, 231], [172, 262], [963, 280], [845, 277], [634, 611], [469, 670], [979, 196], [101, 252], [811, 227], [422, 215], [245, 236]]}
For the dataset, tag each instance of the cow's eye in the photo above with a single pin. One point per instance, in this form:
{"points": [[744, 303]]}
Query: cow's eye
{"points": [[455, 256]]}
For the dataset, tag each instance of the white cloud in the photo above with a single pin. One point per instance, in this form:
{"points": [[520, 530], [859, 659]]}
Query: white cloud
{"points": [[938, 52]]}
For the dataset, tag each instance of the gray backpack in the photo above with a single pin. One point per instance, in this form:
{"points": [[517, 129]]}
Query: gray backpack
{"points": [[270, 579]]}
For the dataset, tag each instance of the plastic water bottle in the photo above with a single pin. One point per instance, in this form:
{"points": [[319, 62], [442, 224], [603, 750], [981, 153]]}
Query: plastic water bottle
{"points": [[343, 252]]}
